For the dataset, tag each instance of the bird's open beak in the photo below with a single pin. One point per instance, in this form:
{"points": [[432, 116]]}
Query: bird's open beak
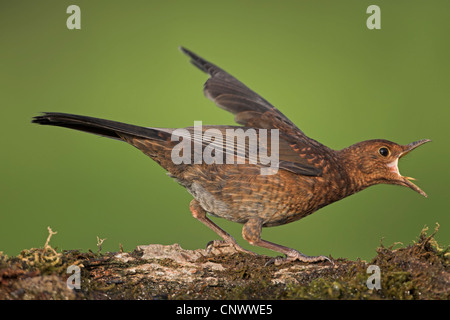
{"points": [[406, 181]]}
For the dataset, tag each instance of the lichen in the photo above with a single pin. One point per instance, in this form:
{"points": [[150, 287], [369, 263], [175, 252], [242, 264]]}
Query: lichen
{"points": [[419, 270]]}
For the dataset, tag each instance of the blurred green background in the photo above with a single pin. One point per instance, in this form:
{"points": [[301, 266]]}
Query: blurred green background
{"points": [[315, 60]]}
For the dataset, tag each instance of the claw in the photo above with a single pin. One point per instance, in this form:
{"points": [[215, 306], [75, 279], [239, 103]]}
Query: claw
{"points": [[218, 244]]}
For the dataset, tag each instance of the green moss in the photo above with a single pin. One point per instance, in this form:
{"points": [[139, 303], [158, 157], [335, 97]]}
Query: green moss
{"points": [[416, 271]]}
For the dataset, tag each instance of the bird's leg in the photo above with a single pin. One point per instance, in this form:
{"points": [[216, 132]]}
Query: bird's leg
{"points": [[252, 233], [200, 214]]}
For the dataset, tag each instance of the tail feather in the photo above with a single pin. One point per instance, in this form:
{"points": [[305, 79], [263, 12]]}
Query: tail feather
{"points": [[102, 127]]}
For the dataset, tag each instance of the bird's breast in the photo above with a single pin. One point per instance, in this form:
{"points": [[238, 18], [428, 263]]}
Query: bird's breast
{"points": [[238, 193]]}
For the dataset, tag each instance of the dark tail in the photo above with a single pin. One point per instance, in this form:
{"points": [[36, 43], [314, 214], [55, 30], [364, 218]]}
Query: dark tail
{"points": [[102, 127]]}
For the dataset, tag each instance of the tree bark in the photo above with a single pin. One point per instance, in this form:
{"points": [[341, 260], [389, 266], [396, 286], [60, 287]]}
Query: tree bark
{"points": [[417, 271]]}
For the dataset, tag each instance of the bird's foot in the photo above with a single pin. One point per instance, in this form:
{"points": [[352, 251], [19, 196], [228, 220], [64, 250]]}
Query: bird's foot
{"points": [[225, 246], [295, 255]]}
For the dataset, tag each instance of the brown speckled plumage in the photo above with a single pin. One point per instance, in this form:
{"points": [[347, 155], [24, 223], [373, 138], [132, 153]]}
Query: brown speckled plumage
{"points": [[310, 175]]}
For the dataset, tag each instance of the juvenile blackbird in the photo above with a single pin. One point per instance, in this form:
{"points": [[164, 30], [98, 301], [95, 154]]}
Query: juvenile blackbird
{"points": [[310, 175]]}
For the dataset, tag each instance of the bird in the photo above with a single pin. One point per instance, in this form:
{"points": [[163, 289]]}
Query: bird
{"points": [[307, 176]]}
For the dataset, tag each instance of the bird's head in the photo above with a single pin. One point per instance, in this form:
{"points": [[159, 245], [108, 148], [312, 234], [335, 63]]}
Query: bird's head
{"points": [[376, 161]]}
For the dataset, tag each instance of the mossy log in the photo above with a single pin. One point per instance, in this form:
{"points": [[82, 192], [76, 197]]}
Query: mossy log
{"points": [[417, 271]]}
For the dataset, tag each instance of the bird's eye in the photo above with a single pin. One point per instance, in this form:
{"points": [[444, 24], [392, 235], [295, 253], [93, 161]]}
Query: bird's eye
{"points": [[383, 151]]}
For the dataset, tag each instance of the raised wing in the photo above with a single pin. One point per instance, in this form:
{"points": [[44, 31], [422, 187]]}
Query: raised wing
{"points": [[227, 92], [251, 110]]}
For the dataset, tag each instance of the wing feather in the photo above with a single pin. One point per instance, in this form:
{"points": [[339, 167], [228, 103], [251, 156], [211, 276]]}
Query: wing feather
{"points": [[297, 151]]}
